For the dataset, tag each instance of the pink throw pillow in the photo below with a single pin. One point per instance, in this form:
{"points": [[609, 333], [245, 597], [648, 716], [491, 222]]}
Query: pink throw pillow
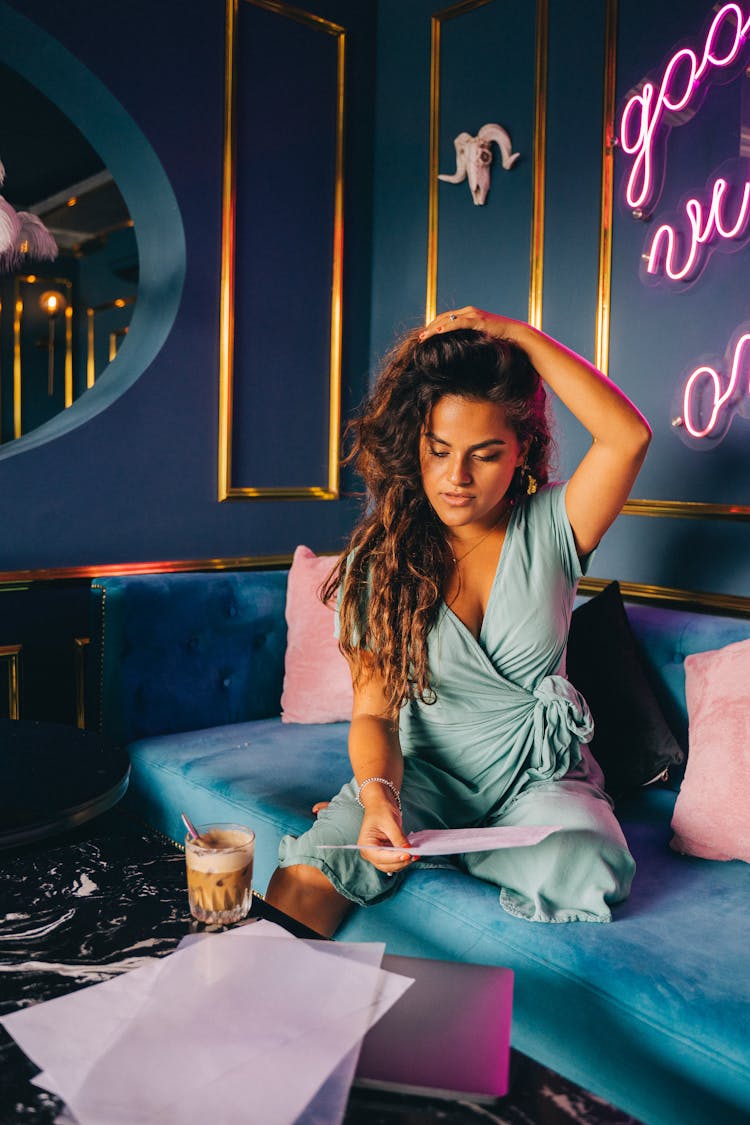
{"points": [[317, 681], [711, 813]]}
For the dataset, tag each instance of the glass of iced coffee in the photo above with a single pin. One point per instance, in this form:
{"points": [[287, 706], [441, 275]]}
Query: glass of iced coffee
{"points": [[220, 872]]}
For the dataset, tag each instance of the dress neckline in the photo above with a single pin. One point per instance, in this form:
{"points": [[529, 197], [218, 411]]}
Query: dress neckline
{"points": [[498, 570]]}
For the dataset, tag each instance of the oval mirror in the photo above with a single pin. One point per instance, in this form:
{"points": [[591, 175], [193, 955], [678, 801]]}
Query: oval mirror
{"points": [[62, 321]]}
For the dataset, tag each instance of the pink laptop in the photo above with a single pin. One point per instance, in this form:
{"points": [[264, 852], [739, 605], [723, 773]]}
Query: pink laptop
{"points": [[448, 1035]]}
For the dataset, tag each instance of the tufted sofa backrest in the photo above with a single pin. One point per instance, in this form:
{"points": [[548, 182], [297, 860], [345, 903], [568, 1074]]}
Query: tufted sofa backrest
{"points": [[665, 637], [190, 651]]}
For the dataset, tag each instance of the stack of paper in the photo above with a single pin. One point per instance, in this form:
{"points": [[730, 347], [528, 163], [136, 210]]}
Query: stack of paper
{"points": [[238, 1026]]}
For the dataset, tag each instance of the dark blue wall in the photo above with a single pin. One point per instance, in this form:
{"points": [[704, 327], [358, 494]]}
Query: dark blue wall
{"points": [[139, 480], [653, 334]]}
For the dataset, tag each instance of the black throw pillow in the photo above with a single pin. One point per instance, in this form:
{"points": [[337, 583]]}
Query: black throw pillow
{"points": [[632, 741]]}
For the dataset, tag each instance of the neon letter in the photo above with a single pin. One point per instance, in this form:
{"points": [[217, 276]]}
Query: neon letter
{"points": [[701, 233], [693, 393], [647, 110], [740, 31]]}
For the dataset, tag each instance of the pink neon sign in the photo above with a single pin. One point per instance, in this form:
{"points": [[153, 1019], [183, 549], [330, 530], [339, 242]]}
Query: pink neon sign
{"points": [[679, 249], [651, 112], [708, 405]]}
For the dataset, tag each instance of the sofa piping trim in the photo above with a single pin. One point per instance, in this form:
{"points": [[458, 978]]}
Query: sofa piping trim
{"points": [[103, 592]]}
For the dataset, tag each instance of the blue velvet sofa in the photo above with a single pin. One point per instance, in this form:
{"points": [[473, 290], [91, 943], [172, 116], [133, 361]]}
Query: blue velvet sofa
{"points": [[652, 1012]]}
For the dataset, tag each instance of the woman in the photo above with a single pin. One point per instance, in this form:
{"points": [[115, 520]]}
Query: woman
{"points": [[455, 597]]}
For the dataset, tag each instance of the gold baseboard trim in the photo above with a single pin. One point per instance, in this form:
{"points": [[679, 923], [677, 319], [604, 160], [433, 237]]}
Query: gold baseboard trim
{"points": [[174, 566], [686, 510], [670, 596]]}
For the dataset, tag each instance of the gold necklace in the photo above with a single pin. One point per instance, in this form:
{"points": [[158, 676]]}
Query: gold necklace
{"points": [[479, 541]]}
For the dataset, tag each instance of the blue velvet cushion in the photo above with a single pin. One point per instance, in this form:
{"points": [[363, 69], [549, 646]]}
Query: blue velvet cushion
{"points": [[189, 651]]}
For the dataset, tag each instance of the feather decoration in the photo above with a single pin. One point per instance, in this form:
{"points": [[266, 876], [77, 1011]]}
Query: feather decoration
{"points": [[22, 235], [34, 240], [10, 229]]}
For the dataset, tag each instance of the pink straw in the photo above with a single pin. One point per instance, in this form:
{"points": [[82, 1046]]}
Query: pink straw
{"points": [[189, 825]]}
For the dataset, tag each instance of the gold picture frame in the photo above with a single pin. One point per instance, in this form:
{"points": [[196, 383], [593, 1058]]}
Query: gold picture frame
{"points": [[669, 509], [536, 271], [226, 489]]}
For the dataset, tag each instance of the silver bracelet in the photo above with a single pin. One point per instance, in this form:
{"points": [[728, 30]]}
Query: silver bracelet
{"points": [[383, 781]]}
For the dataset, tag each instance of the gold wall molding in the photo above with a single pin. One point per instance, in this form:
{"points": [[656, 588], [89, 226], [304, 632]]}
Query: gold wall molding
{"points": [[91, 314], [169, 566], [18, 309], [604, 281], [701, 601], [704, 601], [687, 510], [12, 653], [536, 268], [227, 490], [539, 172]]}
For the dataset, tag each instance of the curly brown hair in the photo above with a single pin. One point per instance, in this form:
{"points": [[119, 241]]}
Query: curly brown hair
{"points": [[397, 560]]}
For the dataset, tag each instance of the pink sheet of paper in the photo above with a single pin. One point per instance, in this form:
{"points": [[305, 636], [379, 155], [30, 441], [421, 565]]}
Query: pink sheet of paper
{"points": [[452, 841]]}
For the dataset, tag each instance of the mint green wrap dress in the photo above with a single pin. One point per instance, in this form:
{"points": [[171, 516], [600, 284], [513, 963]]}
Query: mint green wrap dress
{"points": [[503, 744]]}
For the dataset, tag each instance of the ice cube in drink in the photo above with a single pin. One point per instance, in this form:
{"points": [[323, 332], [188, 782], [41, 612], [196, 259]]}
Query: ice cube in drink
{"points": [[220, 872]]}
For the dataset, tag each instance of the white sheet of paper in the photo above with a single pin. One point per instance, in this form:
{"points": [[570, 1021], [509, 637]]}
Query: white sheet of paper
{"points": [[62, 1034], [67, 1030], [328, 1106], [213, 1032], [453, 841]]}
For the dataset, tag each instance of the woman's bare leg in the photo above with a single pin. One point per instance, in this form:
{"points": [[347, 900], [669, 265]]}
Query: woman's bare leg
{"points": [[304, 893]]}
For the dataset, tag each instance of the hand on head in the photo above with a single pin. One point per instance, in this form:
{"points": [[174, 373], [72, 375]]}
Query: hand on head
{"points": [[476, 319]]}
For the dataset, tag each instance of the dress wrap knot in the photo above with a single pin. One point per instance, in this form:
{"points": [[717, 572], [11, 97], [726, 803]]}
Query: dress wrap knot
{"points": [[562, 721]]}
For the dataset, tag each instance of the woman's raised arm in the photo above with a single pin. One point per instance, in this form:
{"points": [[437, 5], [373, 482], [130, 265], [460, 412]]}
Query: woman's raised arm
{"points": [[602, 481]]}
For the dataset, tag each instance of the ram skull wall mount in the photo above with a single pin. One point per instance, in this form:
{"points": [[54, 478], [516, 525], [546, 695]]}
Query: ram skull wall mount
{"points": [[474, 159]]}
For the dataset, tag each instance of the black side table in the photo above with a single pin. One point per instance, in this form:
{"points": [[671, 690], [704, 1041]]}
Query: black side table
{"points": [[54, 777]]}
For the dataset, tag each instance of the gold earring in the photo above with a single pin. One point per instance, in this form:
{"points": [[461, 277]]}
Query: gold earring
{"points": [[531, 481]]}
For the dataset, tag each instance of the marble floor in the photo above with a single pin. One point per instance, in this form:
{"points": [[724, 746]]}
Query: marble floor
{"points": [[102, 899]]}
